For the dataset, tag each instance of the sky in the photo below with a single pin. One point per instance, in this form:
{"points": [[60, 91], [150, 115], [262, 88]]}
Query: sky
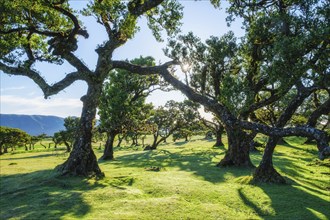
{"points": [[20, 95]]}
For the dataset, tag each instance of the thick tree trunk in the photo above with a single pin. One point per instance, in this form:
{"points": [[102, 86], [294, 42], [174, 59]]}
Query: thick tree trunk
{"points": [[154, 143], [108, 150], [218, 136], [265, 172], [82, 160], [238, 149]]}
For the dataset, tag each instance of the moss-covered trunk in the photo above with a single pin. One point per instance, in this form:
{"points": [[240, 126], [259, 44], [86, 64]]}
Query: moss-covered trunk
{"points": [[82, 160]]}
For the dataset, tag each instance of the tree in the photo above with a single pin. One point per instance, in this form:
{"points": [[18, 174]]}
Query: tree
{"points": [[189, 118], [34, 139], [48, 31], [122, 103], [216, 128], [139, 127], [11, 137], [69, 135], [164, 121]]}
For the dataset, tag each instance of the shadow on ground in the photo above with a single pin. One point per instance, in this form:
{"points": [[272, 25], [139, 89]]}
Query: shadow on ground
{"points": [[307, 198], [53, 196], [200, 162], [303, 205]]}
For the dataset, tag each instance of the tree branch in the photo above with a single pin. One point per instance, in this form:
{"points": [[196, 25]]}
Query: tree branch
{"points": [[47, 89], [142, 70], [176, 83], [321, 110], [304, 131], [76, 62], [138, 7]]}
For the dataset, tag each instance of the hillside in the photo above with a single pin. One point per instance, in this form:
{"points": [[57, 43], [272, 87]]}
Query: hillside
{"points": [[33, 124]]}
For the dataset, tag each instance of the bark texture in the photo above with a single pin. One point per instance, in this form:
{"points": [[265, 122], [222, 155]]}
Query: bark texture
{"points": [[82, 160], [266, 172], [238, 149]]}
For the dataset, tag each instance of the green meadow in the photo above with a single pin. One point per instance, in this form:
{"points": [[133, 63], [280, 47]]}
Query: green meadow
{"points": [[176, 181]]}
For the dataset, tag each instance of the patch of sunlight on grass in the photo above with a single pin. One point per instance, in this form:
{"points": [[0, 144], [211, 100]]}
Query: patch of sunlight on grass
{"points": [[244, 180], [257, 200], [317, 214]]}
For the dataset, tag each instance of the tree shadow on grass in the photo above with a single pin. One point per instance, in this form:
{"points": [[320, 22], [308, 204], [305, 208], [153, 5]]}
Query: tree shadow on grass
{"points": [[41, 195], [180, 143], [198, 162], [300, 168], [305, 196], [29, 157], [287, 202], [312, 149]]}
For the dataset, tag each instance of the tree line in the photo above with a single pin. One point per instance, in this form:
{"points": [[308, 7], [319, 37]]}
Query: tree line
{"points": [[255, 84], [179, 120]]}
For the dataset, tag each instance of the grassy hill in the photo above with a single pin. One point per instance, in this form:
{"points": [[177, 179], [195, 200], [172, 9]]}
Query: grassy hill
{"points": [[177, 181]]}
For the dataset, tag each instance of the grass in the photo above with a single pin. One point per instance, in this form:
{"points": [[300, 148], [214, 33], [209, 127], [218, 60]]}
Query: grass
{"points": [[177, 181]]}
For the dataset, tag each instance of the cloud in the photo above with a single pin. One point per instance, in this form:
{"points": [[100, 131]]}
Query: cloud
{"points": [[12, 88], [62, 107]]}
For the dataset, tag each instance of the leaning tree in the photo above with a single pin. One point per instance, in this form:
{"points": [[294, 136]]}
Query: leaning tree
{"points": [[49, 30]]}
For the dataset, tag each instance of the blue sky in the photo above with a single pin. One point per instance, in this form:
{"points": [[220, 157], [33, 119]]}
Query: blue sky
{"points": [[19, 95]]}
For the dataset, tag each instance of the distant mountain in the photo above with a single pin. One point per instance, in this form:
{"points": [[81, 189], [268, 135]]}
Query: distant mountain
{"points": [[33, 124]]}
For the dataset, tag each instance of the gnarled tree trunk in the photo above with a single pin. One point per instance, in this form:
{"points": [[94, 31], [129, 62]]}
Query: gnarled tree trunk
{"points": [[82, 160], [108, 150], [238, 149], [265, 172], [218, 136]]}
